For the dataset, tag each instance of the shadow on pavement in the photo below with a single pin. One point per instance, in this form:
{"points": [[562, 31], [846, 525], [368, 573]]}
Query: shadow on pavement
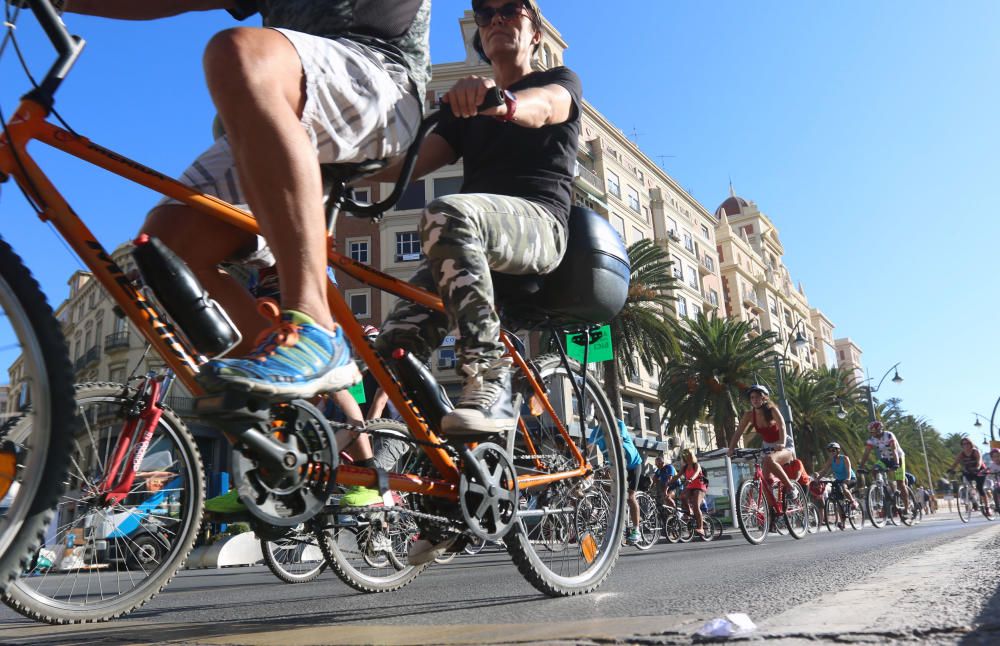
{"points": [[147, 629]]}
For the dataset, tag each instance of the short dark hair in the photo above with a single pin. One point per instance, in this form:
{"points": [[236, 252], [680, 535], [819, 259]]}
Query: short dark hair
{"points": [[536, 22]]}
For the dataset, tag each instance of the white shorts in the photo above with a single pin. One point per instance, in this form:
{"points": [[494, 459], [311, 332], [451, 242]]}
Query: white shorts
{"points": [[359, 106]]}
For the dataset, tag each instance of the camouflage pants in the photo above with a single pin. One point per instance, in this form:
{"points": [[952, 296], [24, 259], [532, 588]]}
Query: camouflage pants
{"points": [[463, 238]]}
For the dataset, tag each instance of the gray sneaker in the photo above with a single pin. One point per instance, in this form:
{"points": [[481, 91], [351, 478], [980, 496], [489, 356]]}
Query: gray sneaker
{"points": [[485, 406]]}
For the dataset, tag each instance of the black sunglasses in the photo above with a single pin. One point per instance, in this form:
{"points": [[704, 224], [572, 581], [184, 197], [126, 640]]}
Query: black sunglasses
{"points": [[484, 15]]}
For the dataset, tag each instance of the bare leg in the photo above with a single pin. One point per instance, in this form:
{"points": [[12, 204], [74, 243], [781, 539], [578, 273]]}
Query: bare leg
{"points": [[772, 464], [203, 243], [358, 444], [696, 497], [257, 83], [633, 508]]}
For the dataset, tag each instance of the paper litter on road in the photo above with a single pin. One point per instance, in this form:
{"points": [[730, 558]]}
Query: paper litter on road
{"points": [[736, 624]]}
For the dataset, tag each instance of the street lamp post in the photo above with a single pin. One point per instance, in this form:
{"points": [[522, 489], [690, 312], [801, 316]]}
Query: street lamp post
{"points": [[896, 379], [786, 410], [992, 415], [978, 424]]}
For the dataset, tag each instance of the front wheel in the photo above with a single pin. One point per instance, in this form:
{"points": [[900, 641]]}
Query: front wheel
{"points": [[108, 558], [796, 512], [753, 512], [38, 420], [593, 505], [296, 558], [813, 518], [877, 505], [649, 528], [964, 503]]}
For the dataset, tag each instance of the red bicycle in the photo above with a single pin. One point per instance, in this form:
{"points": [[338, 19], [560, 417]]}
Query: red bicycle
{"points": [[761, 500]]}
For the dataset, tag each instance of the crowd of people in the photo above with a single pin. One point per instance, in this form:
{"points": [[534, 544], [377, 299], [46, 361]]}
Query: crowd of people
{"points": [[686, 484]]}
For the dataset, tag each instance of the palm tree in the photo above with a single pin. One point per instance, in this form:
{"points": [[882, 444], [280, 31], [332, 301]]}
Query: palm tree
{"points": [[717, 359], [640, 334], [815, 399]]}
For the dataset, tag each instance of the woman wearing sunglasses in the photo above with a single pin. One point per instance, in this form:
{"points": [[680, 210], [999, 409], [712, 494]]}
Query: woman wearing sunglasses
{"points": [[510, 216]]}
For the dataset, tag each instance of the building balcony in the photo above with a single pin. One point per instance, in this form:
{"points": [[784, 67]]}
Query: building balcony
{"points": [[116, 341], [88, 358], [707, 266], [589, 176]]}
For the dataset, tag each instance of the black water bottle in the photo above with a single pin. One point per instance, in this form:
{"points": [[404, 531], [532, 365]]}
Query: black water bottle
{"points": [[199, 317], [418, 382]]}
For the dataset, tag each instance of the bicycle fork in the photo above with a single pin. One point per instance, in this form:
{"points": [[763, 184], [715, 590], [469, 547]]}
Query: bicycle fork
{"points": [[142, 420]]}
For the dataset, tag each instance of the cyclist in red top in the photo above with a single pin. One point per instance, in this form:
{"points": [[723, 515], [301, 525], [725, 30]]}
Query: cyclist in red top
{"points": [[766, 420]]}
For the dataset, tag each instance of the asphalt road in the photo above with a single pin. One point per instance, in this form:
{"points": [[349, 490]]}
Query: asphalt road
{"points": [[665, 593]]}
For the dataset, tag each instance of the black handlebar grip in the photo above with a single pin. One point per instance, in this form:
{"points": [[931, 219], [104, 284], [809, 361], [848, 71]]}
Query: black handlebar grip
{"points": [[494, 99]]}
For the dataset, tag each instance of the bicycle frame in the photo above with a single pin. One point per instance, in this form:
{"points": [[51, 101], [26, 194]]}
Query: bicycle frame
{"points": [[29, 124], [115, 486]]}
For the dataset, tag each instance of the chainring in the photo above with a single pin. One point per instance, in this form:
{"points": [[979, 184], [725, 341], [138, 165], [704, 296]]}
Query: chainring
{"points": [[292, 500], [487, 492]]}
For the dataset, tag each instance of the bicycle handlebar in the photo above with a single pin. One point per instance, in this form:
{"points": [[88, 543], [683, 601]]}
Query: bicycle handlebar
{"points": [[68, 48], [494, 99]]}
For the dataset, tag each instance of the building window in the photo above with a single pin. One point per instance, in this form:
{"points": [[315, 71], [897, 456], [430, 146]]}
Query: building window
{"points": [[637, 235], [613, 187], [645, 214], [358, 249], [633, 199], [408, 246], [688, 241], [359, 302], [713, 298], [678, 268], [446, 358], [708, 262], [682, 308], [772, 305], [362, 195], [413, 197], [117, 374], [447, 186], [704, 233], [692, 277], [618, 222]]}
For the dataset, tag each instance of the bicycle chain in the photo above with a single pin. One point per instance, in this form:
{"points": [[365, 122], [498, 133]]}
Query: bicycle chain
{"points": [[440, 520]]}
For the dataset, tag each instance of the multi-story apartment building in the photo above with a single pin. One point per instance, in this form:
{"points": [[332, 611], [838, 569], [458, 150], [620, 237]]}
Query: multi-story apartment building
{"points": [[614, 178], [758, 287], [849, 358]]}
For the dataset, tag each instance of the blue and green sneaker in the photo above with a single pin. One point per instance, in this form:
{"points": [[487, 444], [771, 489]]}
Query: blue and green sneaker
{"points": [[294, 358]]}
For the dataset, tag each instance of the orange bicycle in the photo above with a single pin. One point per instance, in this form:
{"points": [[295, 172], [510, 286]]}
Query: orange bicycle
{"points": [[284, 453]]}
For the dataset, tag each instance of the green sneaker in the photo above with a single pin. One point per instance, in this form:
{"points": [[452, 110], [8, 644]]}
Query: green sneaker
{"points": [[226, 504], [360, 497], [633, 536]]}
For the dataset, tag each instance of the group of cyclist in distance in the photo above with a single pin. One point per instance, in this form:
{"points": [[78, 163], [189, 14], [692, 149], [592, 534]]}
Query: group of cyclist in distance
{"points": [[344, 81]]}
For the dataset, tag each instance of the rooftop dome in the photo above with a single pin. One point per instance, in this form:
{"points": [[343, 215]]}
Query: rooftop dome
{"points": [[733, 205]]}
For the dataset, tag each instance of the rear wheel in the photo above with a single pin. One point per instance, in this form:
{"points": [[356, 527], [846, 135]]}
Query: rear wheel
{"points": [[964, 503], [877, 506], [796, 512], [296, 558], [110, 558], [368, 550], [593, 506], [830, 514], [672, 529], [716, 526], [38, 420], [854, 515], [753, 512]]}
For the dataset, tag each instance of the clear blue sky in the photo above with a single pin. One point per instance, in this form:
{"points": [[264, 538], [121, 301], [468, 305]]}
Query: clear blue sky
{"points": [[867, 131]]}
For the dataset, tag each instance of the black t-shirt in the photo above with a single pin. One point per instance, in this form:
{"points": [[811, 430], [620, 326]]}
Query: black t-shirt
{"points": [[504, 158]]}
